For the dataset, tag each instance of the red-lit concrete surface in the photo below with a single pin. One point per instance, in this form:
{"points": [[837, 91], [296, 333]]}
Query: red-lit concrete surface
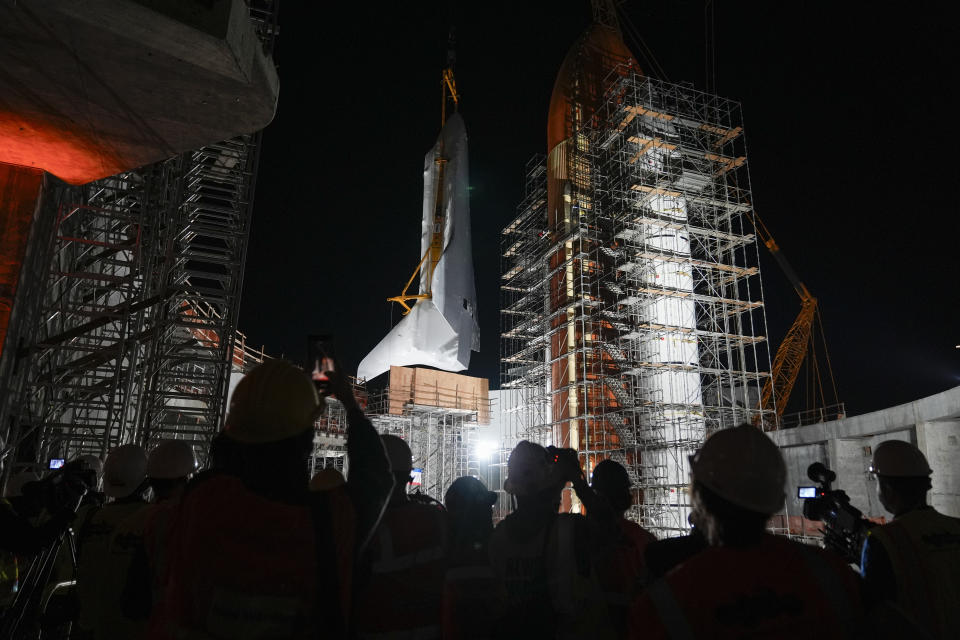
{"points": [[577, 94], [91, 89], [19, 188]]}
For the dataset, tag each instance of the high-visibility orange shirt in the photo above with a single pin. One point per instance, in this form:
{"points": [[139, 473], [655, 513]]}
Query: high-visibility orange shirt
{"points": [[776, 589]]}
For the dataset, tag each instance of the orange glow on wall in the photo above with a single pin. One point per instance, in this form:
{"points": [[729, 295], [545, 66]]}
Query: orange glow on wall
{"points": [[19, 190], [57, 145]]}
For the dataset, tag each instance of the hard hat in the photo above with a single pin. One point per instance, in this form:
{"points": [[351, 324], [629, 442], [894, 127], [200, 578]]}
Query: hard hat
{"points": [[171, 459], [15, 484], [899, 459], [610, 480], [326, 479], [465, 492], [124, 470], [273, 402], [528, 471], [743, 466], [610, 476], [398, 453], [91, 461]]}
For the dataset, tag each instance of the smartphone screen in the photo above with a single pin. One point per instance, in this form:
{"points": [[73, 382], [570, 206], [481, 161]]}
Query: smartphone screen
{"points": [[806, 492], [56, 463], [320, 358]]}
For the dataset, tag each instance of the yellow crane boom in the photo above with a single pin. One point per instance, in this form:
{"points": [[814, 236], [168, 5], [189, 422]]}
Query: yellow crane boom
{"points": [[793, 349]]}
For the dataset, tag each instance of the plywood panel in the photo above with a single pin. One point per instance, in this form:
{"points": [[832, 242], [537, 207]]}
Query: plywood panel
{"points": [[442, 389]]}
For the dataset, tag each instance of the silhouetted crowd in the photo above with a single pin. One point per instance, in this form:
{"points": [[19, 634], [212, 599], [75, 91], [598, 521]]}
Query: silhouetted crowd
{"points": [[252, 547]]}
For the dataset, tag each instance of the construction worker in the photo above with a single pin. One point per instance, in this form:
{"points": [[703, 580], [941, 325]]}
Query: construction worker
{"points": [[471, 596], [748, 583], [400, 586], [252, 552], [913, 561], [101, 575], [169, 466], [544, 559], [622, 568]]}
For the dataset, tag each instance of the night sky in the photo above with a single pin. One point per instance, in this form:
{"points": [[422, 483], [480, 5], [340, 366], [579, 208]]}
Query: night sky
{"points": [[851, 130]]}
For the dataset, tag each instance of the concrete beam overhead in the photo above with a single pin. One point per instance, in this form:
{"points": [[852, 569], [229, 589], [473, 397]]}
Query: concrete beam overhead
{"points": [[90, 89]]}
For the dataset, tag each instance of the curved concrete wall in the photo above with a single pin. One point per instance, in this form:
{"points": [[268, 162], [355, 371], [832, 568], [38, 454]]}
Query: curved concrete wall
{"points": [[846, 446]]}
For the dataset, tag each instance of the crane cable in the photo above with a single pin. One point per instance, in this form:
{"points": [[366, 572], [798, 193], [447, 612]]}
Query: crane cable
{"points": [[638, 41]]}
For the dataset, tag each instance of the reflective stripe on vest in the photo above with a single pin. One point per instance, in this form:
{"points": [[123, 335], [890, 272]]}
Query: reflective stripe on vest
{"points": [[388, 562], [673, 618], [402, 594], [240, 564]]}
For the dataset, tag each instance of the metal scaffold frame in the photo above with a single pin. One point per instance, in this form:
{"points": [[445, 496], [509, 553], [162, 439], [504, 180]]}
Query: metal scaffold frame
{"points": [[639, 317], [442, 439], [125, 340]]}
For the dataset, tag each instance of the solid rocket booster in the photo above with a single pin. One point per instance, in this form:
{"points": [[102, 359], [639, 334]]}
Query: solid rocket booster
{"points": [[441, 330]]}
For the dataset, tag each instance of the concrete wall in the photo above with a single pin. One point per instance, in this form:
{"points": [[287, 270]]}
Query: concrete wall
{"points": [[846, 446], [940, 441]]}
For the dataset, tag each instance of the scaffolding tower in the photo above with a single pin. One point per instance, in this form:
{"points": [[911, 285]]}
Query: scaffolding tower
{"points": [[638, 317], [442, 438], [131, 331]]}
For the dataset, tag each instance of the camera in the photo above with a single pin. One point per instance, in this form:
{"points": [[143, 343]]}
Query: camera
{"points": [[68, 483], [566, 463], [844, 527]]}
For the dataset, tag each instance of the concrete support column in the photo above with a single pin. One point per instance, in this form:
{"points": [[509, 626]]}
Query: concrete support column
{"points": [[939, 440]]}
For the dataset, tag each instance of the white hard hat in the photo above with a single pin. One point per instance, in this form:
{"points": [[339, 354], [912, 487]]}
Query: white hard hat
{"points": [[899, 459], [171, 459], [398, 453], [273, 402], [15, 484], [124, 471], [743, 466]]}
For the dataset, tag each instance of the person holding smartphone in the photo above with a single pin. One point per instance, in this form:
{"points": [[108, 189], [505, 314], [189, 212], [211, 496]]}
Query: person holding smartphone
{"points": [[253, 552]]}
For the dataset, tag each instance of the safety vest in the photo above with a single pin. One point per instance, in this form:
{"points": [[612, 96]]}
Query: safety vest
{"points": [[777, 589], [549, 580], [924, 551], [472, 599], [400, 592], [101, 572], [240, 565], [621, 568]]}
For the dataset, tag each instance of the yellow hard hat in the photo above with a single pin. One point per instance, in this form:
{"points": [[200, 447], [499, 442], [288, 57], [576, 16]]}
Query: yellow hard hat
{"points": [[528, 471], [743, 466], [273, 402], [899, 459]]}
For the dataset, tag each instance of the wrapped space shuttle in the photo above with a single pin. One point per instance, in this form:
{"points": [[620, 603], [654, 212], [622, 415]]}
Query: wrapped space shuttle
{"points": [[440, 329]]}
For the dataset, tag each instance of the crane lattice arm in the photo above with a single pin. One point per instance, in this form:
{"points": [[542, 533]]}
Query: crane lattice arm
{"points": [[793, 349]]}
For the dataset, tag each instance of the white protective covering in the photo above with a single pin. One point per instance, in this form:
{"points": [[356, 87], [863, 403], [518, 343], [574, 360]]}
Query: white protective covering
{"points": [[439, 332]]}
